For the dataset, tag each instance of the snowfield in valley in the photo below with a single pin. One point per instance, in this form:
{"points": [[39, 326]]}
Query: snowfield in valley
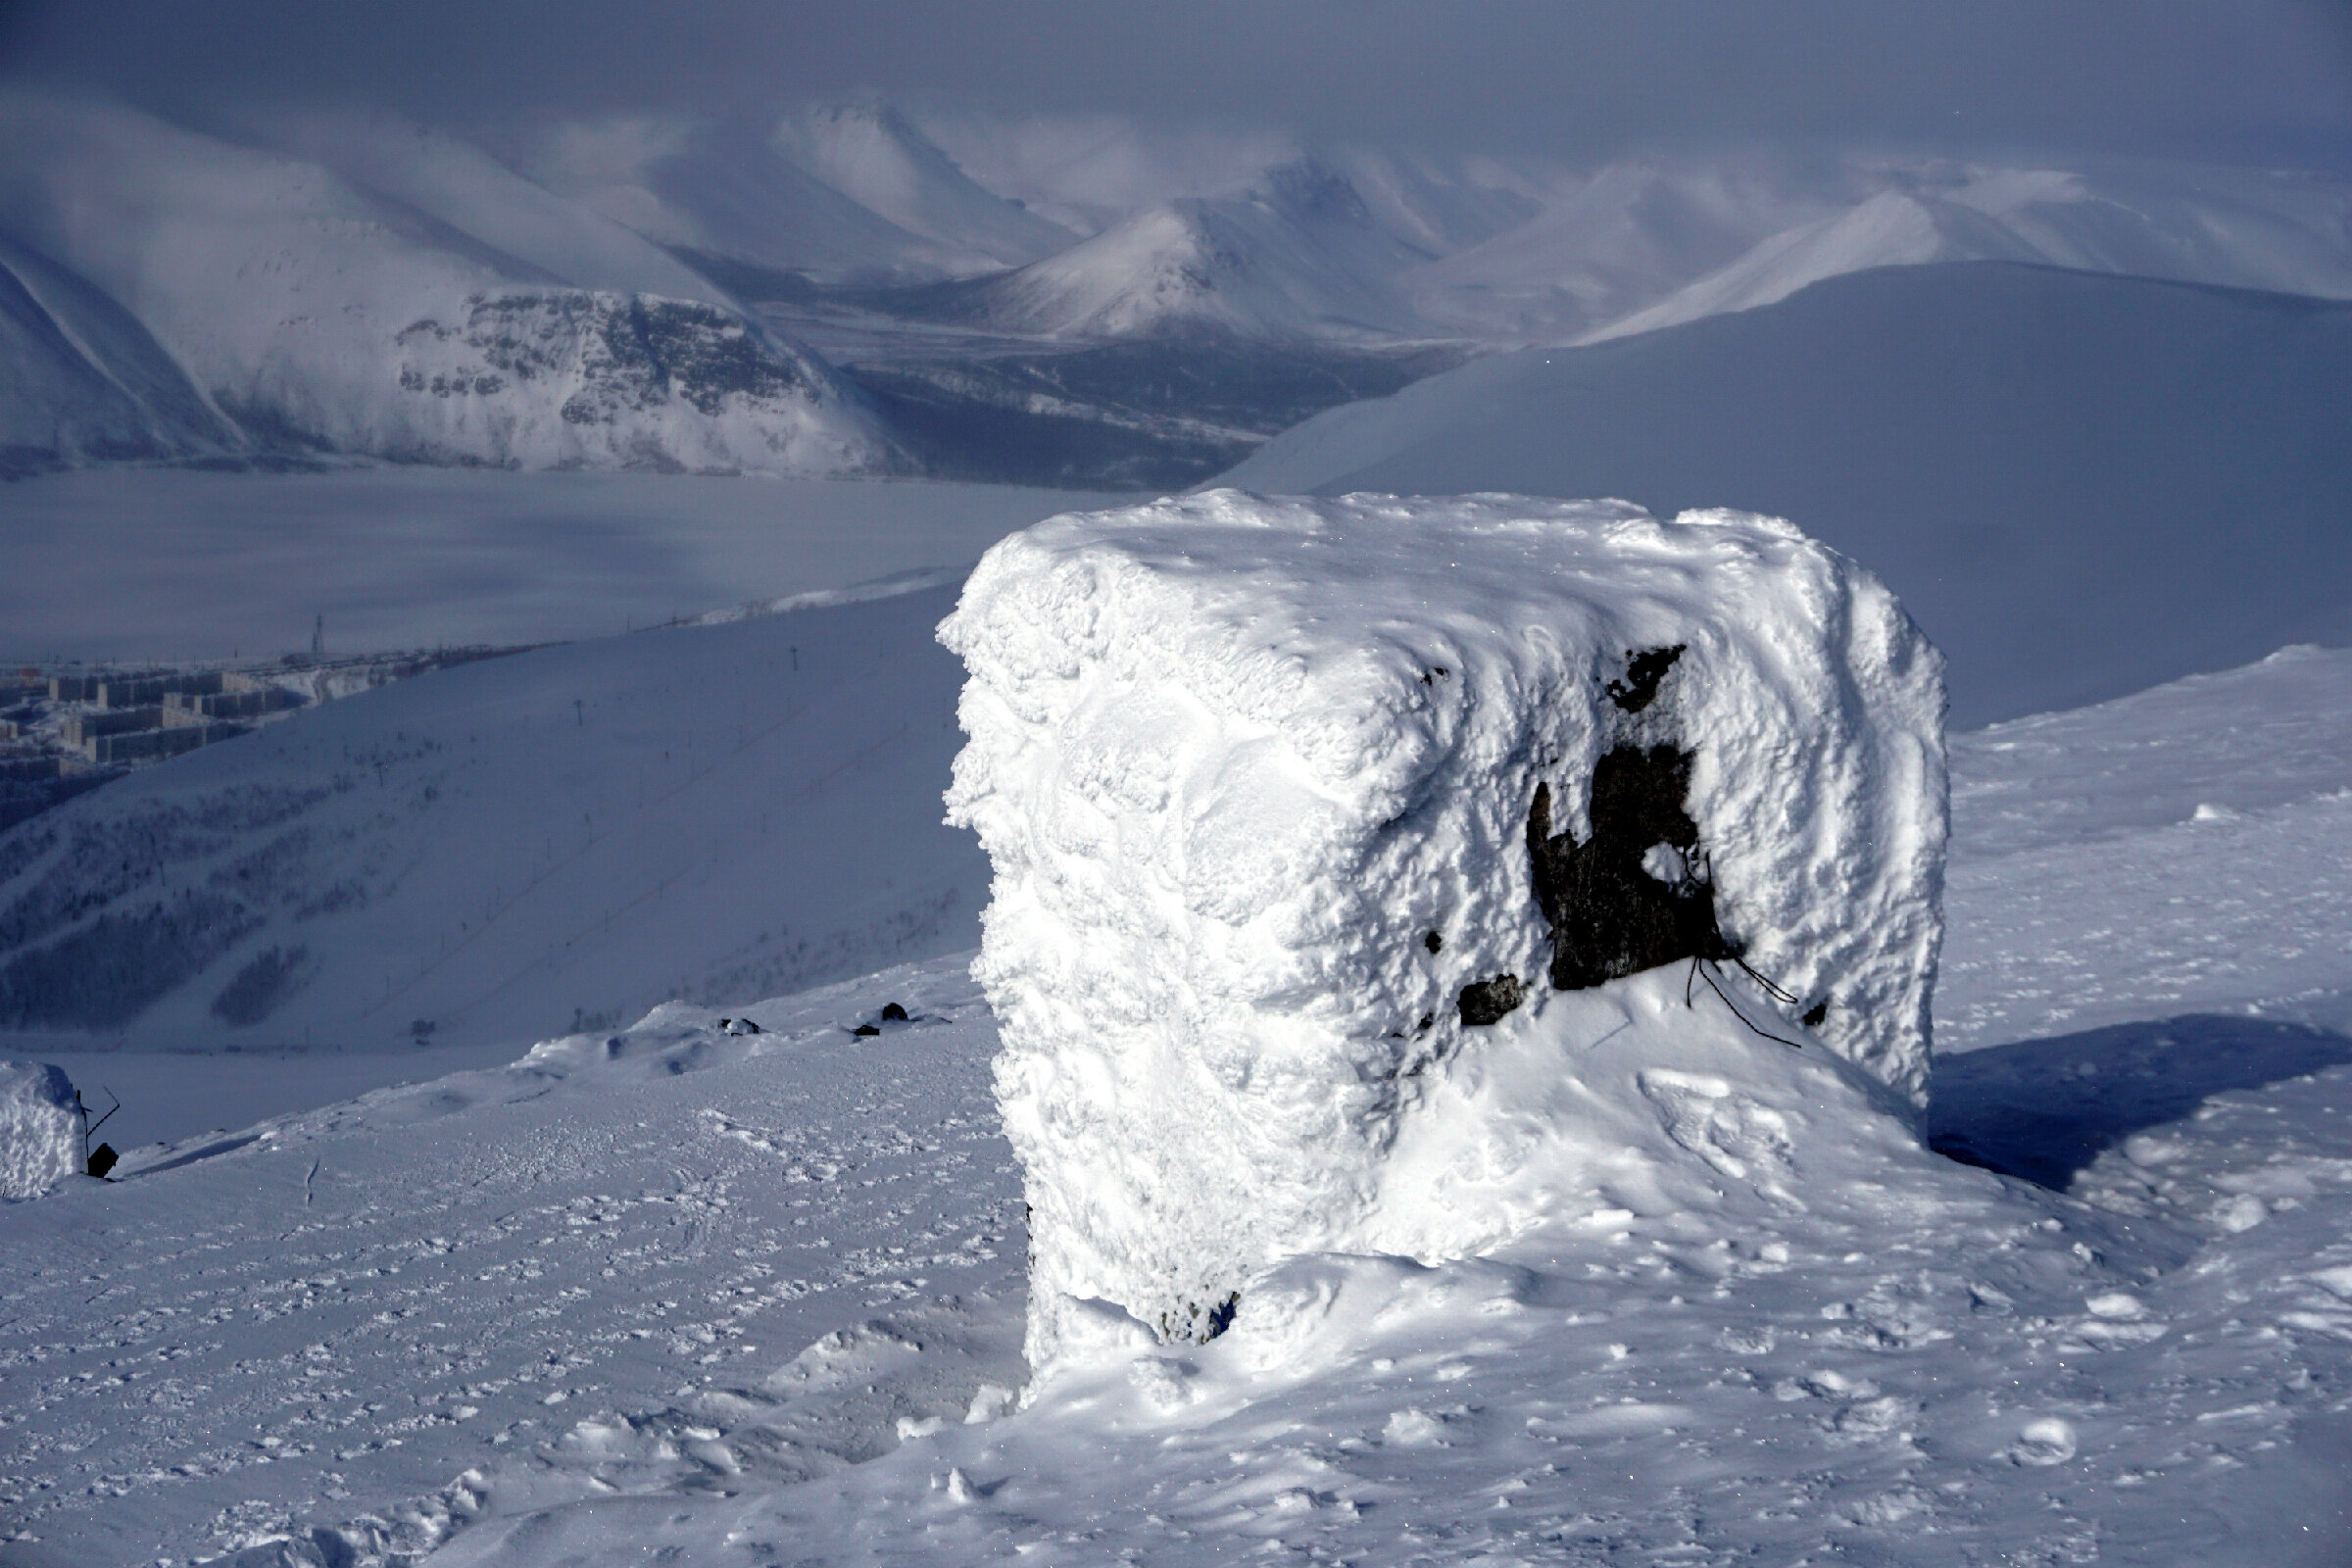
{"points": [[759, 1298]]}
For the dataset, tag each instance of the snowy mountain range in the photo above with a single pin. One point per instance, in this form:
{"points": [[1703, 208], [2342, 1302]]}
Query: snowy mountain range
{"points": [[453, 313], [665, 292]]}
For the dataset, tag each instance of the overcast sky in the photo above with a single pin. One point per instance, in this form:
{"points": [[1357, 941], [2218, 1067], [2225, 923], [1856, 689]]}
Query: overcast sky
{"points": [[2257, 80]]}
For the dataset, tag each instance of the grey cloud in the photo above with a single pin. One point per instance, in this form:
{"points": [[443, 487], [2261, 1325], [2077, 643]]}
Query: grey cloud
{"points": [[2253, 79]]}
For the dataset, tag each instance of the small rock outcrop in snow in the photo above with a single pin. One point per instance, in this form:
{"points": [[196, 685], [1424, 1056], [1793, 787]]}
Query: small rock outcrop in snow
{"points": [[40, 1129], [1297, 806]]}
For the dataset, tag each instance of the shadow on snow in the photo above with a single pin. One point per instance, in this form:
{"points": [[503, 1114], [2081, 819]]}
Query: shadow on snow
{"points": [[2043, 1109]]}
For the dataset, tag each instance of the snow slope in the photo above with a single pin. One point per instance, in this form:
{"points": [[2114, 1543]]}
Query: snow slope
{"points": [[723, 189], [2209, 815], [2236, 228], [2079, 485], [647, 1224], [1298, 255], [499, 851], [318, 317], [871, 153], [391, 1325], [83, 382], [460, 185]]}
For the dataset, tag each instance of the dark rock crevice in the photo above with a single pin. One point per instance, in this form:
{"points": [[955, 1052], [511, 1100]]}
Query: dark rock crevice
{"points": [[1486, 1001], [1643, 670], [1610, 915]]}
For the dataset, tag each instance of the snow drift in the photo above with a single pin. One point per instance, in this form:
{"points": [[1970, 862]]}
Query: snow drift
{"points": [[40, 1130], [1300, 811]]}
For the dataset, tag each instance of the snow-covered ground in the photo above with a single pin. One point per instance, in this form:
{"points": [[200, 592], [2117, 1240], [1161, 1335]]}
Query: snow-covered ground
{"points": [[370, 1301], [654, 1288]]}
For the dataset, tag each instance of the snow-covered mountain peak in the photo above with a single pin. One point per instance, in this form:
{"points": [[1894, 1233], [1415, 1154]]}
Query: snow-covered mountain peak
{"points": [[873, 155]]}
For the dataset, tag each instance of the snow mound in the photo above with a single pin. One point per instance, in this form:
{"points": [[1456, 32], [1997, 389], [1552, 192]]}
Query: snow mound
{"points": [[1299, 809], [40, 1130]]}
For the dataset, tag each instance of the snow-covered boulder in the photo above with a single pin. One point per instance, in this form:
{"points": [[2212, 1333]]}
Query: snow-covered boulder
{"points": [[1300, 808], [40, 1129]]}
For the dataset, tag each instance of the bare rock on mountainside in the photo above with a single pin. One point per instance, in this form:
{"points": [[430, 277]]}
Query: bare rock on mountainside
{"points": [[1237, 761], [569, 378]]}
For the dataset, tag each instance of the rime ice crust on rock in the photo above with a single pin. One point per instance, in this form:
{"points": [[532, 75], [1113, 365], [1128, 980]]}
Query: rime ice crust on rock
{"points": [[40, 1130], [1238, 761]]}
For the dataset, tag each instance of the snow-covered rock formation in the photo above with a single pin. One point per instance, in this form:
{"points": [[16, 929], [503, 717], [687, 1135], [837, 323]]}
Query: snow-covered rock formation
{"points": [[40, 1130], [550, 378], [1305, 814], [301, 310]]}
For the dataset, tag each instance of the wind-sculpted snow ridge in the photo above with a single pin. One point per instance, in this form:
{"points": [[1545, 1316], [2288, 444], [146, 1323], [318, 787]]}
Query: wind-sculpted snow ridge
{"points": [[1325, 833]]}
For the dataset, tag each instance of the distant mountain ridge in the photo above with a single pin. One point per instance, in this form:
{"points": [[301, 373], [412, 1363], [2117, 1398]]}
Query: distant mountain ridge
{"points": [[259, 293], [277, 310]]}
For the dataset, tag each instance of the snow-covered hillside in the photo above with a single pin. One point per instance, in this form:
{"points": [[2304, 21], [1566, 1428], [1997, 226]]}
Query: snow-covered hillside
{"points": [[504, 850], [2237, 228], [318, 317], [1299, 258], [873, 155], [2081, 485], [83, 382], [664, 1288]]}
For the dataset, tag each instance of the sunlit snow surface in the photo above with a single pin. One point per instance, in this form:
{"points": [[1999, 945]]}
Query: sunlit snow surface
{"points": [[1916, 1362]]}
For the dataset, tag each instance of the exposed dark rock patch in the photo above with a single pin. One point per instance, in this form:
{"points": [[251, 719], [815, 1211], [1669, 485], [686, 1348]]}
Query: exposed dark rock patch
{"points": [[1609, 916], [1643, 670], [1486, 1001], [1196, 1324], [1432, 942]]}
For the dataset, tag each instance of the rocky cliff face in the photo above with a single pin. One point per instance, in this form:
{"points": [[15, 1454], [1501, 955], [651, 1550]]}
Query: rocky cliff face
{"points": [[572, 378]]}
